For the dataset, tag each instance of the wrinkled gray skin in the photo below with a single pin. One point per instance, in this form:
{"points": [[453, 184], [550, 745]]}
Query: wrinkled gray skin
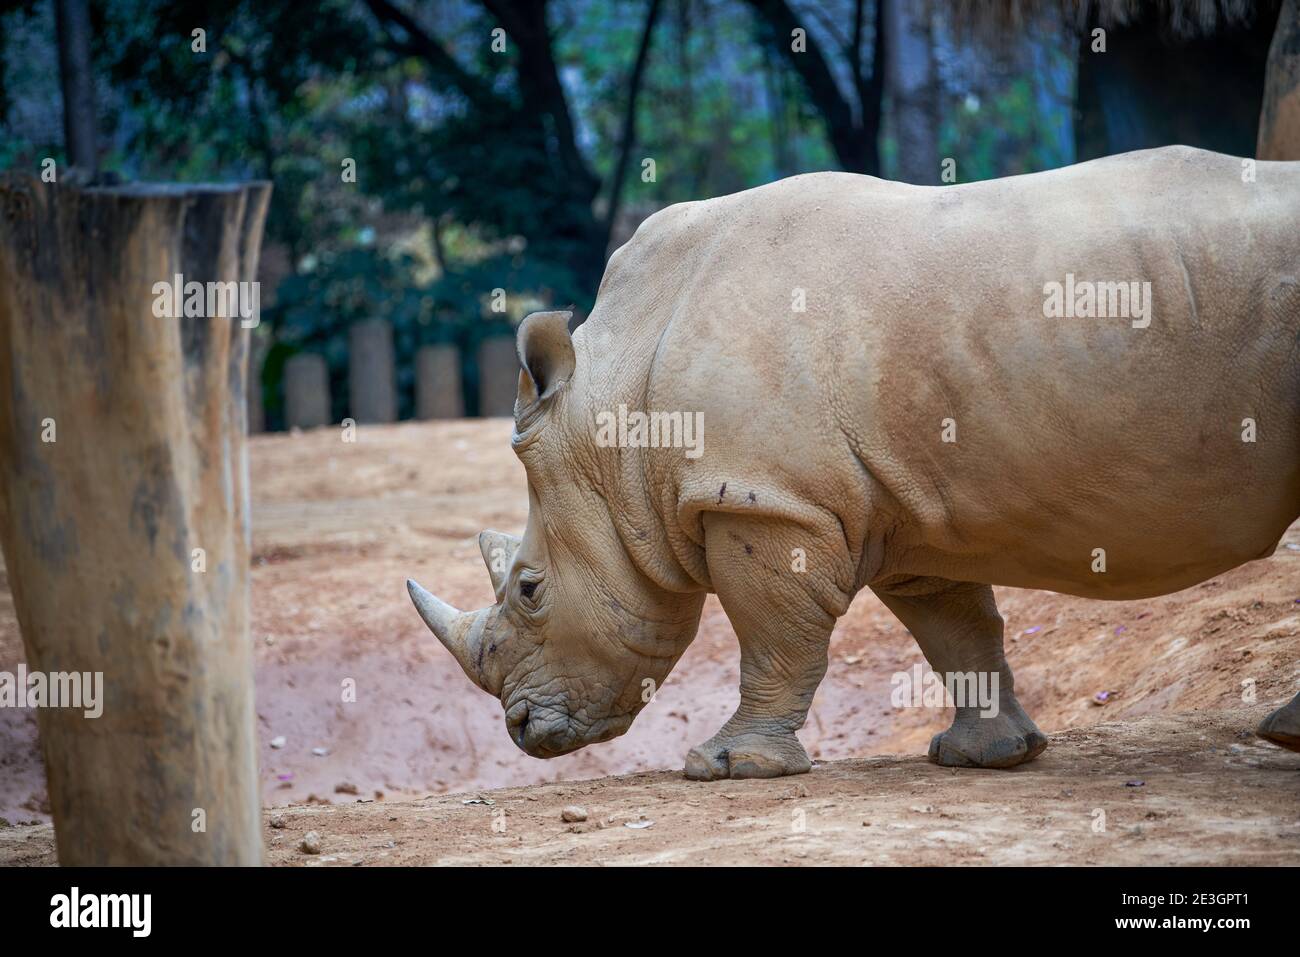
{"points": [[824, 438]]}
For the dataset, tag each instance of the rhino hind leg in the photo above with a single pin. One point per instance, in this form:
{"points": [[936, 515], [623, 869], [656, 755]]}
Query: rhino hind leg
{"points": [[959, 630], [1282, 727], [976, 742]]}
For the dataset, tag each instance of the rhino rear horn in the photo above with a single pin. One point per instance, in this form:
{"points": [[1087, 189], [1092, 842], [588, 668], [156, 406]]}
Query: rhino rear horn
{"points": [[498, 550]]}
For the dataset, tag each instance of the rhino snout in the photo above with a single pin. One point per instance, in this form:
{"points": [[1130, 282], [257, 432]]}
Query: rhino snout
{"points": [[546, 733], [540, 732]]}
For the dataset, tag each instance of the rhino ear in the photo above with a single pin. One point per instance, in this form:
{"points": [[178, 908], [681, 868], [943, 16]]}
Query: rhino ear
{"points": [[546, 354], [498, 550]]}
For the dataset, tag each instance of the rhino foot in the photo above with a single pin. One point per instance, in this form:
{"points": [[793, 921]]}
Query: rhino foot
{"points": [[1282, 727], [747, 756], [1009, 739]]}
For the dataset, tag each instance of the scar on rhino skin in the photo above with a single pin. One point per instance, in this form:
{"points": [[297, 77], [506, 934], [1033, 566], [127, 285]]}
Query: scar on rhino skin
{"points": [[749, 549], [721, 492]]}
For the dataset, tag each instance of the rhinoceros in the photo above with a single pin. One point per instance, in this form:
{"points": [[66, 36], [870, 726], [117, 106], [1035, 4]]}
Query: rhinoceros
{"points": [[1085, 380]]}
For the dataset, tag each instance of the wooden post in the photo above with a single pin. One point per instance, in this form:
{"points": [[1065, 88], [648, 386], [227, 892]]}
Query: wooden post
{"points": [[498, 376], [256, 408], [124, 511], [1279, 117], [437, 383], [372, 372], [306, 391]]}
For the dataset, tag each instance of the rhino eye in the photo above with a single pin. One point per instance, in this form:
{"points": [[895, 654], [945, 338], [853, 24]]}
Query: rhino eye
{"points": [[527, 588]]}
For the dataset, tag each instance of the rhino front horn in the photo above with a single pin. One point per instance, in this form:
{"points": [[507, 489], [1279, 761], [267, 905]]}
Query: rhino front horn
{"points": [[451, 626]]}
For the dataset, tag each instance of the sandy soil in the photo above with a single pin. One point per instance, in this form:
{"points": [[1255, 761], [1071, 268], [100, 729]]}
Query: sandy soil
{"points": [[338, 528], [1188, 789]]}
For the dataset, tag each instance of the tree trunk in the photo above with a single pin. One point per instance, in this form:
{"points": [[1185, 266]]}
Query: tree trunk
{"points": [[871, 90], [78, 84], [1153, 87], [124, 512], [1279, 119], [627, 139], [913, 87], [570, 232], [854, 140]]}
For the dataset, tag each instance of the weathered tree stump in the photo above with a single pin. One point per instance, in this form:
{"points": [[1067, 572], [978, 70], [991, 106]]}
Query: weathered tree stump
{"points": [[372, 375], [1279, 117], [124, 511], [306, 391], [437, 383], [498, 376]]}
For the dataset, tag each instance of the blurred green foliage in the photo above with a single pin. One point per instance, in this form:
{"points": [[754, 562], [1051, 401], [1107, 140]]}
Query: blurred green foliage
{"points": [[461, 187]]}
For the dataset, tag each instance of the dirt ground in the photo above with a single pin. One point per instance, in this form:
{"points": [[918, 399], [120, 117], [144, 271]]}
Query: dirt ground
{"points": [[1188, 789], [338, 527]]}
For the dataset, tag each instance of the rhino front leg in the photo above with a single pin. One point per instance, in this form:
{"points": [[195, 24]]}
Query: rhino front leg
{"points": [[959, 630], [783, 632]]}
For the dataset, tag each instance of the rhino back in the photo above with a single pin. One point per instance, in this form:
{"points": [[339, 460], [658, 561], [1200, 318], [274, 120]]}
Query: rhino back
{"points": [[834, 328]]}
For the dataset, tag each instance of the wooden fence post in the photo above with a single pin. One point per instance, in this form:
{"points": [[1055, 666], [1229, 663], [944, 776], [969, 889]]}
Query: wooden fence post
{"points": [[498, 376], [438, 384]]}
